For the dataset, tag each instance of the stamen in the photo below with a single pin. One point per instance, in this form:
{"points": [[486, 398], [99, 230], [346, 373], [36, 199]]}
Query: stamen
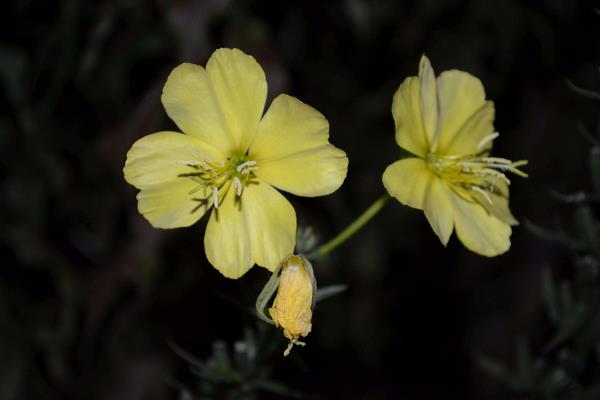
{"points": [[237, 185], [192, 164], [194, 190], [483, 175], [240, 168], [496, 160], [198, 163], [215, 193], [213, 177], [486, 140], [248, 170], [483, 192]]}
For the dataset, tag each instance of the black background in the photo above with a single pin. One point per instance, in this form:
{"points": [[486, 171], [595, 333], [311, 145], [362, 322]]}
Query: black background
{"points": [[90, 293]]}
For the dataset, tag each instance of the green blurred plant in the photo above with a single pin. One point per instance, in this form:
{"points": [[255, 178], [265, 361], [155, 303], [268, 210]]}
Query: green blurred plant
{"points": [[567, 366], [242, 372]]}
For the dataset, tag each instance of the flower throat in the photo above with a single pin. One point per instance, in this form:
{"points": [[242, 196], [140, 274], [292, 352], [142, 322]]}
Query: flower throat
{"points": [[214, 179]]}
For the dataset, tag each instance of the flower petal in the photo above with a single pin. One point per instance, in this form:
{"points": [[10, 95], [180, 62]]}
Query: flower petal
{"points": [[190, 102], [293, 151], [428, 101], [258, 227], [406, 110], [460, 96], [170, 205], [497, 206], [479, 231], [439, 209], [470, 138], [161, 157], [408, 180], [154, 164], [240, 87]]}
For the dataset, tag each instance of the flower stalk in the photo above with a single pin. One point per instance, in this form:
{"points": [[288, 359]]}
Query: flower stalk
{"points": [[354, 227]]}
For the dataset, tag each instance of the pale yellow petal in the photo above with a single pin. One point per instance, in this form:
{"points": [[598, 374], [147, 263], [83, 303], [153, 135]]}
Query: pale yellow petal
{"points": [[498, 207], [479, 231], [429, 101], [163, 156], [190, 102], [240, 87], [407, 180], [293, 152], [406, 110], [439, 209], [170, 204], [259, 227], [495, 204], [460, 96], [475, 136], [155, 164]]}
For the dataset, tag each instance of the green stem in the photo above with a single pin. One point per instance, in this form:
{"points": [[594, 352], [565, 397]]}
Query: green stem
{"points": [[351, 229]]}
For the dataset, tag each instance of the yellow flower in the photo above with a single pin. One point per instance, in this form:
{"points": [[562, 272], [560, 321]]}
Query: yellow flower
{"points": [[231, 159], [447, 125], [292, 307]]}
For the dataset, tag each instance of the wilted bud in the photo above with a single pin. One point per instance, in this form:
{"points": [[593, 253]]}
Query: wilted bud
{"points": [[292, 307]]}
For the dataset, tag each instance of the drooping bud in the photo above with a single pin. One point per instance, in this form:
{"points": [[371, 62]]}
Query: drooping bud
{"points": [[293, 304]]}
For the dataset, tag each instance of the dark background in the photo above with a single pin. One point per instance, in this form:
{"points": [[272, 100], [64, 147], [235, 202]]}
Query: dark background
{"points": [[91, 295]]}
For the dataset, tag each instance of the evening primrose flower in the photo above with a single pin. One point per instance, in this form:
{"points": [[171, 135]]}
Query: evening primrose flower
{"points": [[447, 126], [292, 307], [232, 160]]}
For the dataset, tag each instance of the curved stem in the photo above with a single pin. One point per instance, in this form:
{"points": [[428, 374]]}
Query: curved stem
{"points": [[351, 229]]}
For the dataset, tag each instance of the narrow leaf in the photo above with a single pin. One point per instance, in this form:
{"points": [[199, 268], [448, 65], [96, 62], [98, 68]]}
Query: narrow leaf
{"points": [[329, 291]]}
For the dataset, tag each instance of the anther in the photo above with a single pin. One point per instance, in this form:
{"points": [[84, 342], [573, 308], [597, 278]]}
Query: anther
{"points": [[486, 140], [248, 170], [192, 164], [248, 166], [238, 185], [215, 193], [483, 192]]}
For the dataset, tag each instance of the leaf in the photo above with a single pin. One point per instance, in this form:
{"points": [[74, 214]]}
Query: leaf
{"points": [[587, 135], [185, 355], [570, 324], [496, 370], [586, 225], [556, 236], [329, 291], [590, 94], [550, 296]]}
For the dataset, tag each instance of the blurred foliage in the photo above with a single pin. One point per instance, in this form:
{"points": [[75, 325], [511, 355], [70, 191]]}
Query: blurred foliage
{"points": [[567, 366], [240, 373], [90, 294]]}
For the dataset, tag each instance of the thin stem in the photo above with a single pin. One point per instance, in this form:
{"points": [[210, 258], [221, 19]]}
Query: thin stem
{"points": [[351, 229]]}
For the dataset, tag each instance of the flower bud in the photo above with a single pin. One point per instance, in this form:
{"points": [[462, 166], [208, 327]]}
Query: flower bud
{"points": [[292, 307]]}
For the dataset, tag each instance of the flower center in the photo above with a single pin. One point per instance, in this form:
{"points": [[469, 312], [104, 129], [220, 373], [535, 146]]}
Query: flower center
{"points": [[476, 173], [214, 179]]}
